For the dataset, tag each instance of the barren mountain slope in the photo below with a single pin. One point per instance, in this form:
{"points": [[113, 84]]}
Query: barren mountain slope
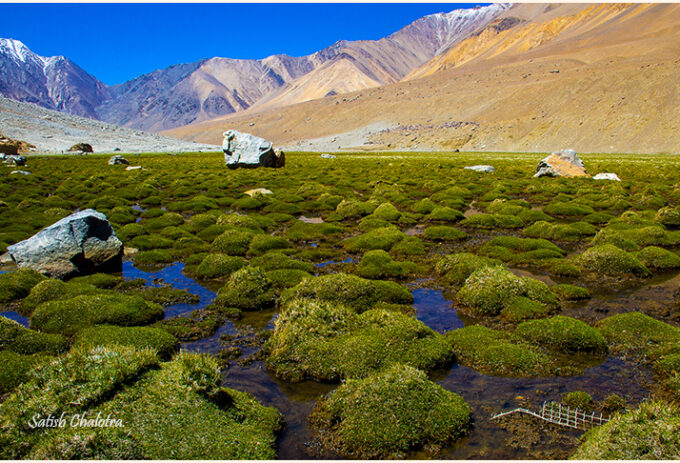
{"points": [[607, 81]]}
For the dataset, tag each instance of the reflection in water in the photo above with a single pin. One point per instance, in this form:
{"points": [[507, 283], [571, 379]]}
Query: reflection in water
{"points": [[435, 311], [349, 260], [172, 275], [16, 317]]}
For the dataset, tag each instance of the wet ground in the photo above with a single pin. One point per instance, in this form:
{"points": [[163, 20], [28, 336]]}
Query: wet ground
{"points": [[486, 395]]}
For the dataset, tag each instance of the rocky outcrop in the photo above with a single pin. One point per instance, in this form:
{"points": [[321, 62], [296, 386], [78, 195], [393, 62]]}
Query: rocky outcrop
{"points": [[481, 168], [13, 159], [246, 150], [80, 244], [565, 163], [118, 160]]}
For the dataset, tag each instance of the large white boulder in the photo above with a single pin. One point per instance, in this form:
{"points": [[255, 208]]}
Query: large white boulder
{"points": [[246, 150], [80, 244]]}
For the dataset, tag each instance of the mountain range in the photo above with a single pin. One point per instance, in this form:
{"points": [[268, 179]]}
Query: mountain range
{"points": [[194, 92]]}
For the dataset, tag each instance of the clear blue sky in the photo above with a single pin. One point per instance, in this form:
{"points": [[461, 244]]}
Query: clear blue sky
{"points": [[117, 42]]}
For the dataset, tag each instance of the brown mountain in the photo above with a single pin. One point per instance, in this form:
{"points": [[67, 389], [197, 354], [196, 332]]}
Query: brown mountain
{"points": [[538, 77]]}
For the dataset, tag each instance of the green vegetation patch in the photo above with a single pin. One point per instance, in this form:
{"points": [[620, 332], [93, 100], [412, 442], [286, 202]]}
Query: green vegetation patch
{"points": [[18, 284], [563, 334], [444, 233], [570, 292], [379, 264], [634, 333], [70, 315], [379, 238], [607, 259], [497, 353], [456, 268], [135, 336], [389, 413], [326, 341], [16, 369], [247, 289], [16, 338], [648, 433], [658, 258], [219, 266]]}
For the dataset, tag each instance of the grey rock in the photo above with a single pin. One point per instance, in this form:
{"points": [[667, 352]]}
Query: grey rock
{"points": [[481, 168], [327, 156], [607, 176], [246, 150], [565, 163], [22, 172], [15, 159], [118, 160], [80, 244]]}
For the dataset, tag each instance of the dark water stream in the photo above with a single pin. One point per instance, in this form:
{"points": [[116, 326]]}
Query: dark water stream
{"points": [[485, 394]]}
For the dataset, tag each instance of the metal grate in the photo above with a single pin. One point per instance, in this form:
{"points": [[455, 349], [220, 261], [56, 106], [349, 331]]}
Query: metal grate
{"points": [[554, 412]]}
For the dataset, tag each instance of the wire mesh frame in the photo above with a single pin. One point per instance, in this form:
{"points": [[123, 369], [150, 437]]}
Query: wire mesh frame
{"points": [[562, 415]]}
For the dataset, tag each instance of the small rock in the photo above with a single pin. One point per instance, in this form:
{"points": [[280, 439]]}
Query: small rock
{"points": [[16, 160], [565, 163], [118, 160], [22, 172], [327, 156], [481, 168], [133, 167], [607, 176], [116, 150], [258, 191]]}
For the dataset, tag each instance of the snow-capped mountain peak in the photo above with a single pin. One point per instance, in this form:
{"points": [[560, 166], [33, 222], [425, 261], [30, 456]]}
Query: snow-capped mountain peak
{"points": [[18, 51]]}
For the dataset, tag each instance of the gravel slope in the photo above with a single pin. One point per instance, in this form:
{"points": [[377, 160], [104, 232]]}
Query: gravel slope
{"points": [[55, 132]]}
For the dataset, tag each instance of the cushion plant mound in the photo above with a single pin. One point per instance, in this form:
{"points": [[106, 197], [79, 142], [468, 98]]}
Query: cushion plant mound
{"points": [[186, 414], [235, 242], [490, 289], [260, 244], [247, 289], [610, 260], [18, 284], [564, 334], [658, 258], [579, 399], [456, 268], [379, 238], [520, 250], [379, 264], [70, 315], [276, 260], [636, 333], [570, 292], [387, 211], [287, 277], [521, 308], [497, 353], [647, 433], [135, 336], [389, 413], [326, 341], [219, 266], [444, 233], [16, 338], [303, 231], [351, 290]]}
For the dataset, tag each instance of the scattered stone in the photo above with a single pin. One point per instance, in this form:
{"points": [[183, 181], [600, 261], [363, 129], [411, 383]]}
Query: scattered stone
{"points": [[258, 191], [118, 160], [565, 163], [80, 244], [607, 176], [14, 159], [84, 147], [133, 167], [481, 168], [327, 156], [116, 149], [22, 172], [246, 150]]}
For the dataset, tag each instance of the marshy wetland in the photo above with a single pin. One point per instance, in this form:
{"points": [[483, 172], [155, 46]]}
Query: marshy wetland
{"points": [[373, 305]]}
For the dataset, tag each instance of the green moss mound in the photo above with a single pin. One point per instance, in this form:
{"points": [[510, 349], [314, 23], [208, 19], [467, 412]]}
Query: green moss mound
{"points": [[456, 268], [634, 333], [70, 315], [574, 231], [49, 290], [16, 338], [564, 334], [16, 368], [219, 266], [490, 221], [647, 433], [579, 399], [234, 242], [444, 233], [522, 308], [278, 261], [608, 259], [136, 336], [18, 284], [497, 353], [380, 238], [570, 292], [261, 244], [389, 413], [287, 277], [520, 251], [658, 258], [379, 264], [352, 291], [326, 341], [303, 231], [490, 289], [247, 289]]}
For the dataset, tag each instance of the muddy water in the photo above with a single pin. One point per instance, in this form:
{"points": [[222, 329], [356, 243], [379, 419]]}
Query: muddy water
{"points": [[485, 394]]}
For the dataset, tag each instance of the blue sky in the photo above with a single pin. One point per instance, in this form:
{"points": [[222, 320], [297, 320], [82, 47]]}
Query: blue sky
{"points": [[117, 42]]}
